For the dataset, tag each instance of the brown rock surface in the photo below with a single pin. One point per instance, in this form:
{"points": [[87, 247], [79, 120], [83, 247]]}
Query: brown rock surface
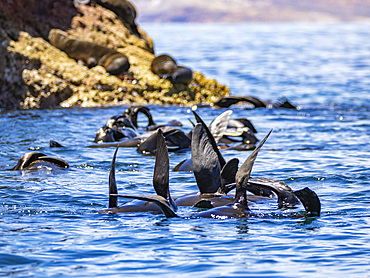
{"points": [[34, 74]]}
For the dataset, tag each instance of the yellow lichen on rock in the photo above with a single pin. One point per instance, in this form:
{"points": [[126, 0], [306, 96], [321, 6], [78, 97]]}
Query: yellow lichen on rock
{"points": [[54, 79]]}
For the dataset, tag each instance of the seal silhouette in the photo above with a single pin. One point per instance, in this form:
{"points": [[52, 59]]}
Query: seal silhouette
{"points": [[32, 160], [90, 54]]}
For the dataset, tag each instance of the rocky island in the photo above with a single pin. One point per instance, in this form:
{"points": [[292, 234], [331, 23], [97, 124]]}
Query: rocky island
{"points": [[36, 74]]}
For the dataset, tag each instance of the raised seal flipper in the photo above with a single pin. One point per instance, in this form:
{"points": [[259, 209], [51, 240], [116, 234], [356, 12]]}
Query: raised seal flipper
{"points": [[206, 166], [219, 125], [228, 174], [211, 139], [244, 172], [162, 169], [310, 201], [161, 202], [113, 200]]}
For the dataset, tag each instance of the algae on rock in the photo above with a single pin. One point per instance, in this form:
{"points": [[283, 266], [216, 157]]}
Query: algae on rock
{"points": [[35, 74]]}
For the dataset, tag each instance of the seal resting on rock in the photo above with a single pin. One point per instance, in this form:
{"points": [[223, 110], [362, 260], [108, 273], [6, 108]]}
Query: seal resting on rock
{"points": [[166, 67], [163, 65], [90, 54]]}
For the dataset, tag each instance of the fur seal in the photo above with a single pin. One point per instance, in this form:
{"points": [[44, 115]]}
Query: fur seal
{"points": [[32, 160], [124, 10], [160, 183], [90, 54], [239, 208], [175, 139], [226, 102], [182, 75], [163, 65], [166, 67]]}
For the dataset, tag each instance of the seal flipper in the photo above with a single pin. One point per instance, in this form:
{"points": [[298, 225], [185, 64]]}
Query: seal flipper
{"points": [[219, 125], [206, 165], [264, 186], [211, 139], [310, 201], [55, 144], [148, 145], [54, 160], [161, 170], [228, 174], [244, 172], [113, 198], [161, 202]]}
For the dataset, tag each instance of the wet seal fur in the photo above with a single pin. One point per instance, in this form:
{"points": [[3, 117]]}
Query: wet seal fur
{"points": [[90, 54], [31, 160]]}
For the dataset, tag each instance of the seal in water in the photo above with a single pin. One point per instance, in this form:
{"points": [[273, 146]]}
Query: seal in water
{"points": [[90, 54], [226, 102], [32, 160], [160, 183], [239, 208]]}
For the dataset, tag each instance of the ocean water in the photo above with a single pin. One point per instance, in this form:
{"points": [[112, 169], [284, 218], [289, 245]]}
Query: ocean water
{"points": [[49, 226]]}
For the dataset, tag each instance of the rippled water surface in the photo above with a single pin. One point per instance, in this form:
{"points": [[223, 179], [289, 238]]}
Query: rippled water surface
{"points": [[49, 226]]}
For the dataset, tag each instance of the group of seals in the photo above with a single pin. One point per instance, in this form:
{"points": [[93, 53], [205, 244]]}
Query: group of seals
{"points": [[208, 177], [166, 67], [90, 54], [214, 176], [237, 134]]}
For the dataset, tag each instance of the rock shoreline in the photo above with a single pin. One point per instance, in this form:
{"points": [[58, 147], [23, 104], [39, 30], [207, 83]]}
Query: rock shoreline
{"points": [[35, 74]]}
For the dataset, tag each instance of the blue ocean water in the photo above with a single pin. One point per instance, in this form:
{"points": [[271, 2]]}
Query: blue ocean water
{"points": [[49, 226]]}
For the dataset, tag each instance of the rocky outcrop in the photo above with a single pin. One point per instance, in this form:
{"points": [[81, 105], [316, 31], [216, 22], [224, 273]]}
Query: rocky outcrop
{"points": [[35, 74]]}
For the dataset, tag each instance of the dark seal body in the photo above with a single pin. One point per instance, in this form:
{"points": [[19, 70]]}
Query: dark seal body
{"points": [[91, 54], [163, 65], [166, 67]]}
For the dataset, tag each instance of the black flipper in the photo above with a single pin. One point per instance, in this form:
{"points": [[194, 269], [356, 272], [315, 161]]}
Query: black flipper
{"points": [[211, 139], [161, 202], [310, 201], [162, 169], [149, 145], [264, 186], [219, 125], [54, 160], [178, 138], [113, 200], [244, 172], [228, 174], [55, 144], [206, 166]]}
